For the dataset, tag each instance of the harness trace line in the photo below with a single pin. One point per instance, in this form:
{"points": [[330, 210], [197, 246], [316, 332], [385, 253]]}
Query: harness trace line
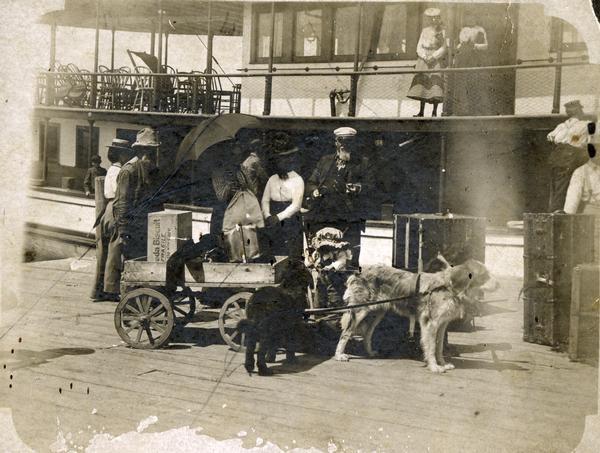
{"points": [[352, 307]]}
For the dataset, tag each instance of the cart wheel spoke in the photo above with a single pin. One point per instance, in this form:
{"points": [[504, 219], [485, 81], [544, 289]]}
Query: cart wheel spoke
{"points": [[139, 333], [157, 311], [138, 302], [179, 310], [130, 308], [158, 327], [130, 328], [149, 333], [130, 318]]}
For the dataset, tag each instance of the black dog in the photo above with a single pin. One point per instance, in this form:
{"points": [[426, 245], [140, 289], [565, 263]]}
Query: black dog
{"points": [[273, 318]]}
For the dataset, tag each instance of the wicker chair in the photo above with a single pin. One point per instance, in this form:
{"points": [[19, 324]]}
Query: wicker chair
{"points": [[142, 86]]}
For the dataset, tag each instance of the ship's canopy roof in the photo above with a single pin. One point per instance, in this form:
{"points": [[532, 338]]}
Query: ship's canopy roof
{"points": [[188, 17]]}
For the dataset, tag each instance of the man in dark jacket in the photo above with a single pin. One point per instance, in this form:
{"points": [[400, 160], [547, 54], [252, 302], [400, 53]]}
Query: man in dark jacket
{"points": [[133, 198], [337, 191], [93, 172], [131, 206]]}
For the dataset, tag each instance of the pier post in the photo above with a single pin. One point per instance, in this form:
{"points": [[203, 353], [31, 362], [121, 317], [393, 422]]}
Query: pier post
{"points": [[208, 99], [354, 77], [558, 70], [159, 81], [112, 49], [269, 78], [94, 80]]}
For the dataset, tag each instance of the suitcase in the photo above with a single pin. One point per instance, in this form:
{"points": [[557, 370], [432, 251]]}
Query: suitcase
{"points": [[419, 237], [585, 301], [553, 245]]}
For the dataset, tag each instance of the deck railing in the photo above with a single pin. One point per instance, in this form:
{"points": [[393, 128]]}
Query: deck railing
{"points": [[178, 93], [523, 88]]}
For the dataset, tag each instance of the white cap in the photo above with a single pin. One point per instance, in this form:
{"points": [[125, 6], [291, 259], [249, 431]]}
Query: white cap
{"points": [[344, 132]]}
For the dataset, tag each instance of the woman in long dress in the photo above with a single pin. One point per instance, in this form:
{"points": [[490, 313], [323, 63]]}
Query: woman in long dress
{"points": [[431, 53], [470, 94], [281, 204]]}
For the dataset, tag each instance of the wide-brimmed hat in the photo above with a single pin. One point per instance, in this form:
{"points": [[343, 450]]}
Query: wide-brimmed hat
{"points": [[432, 12], [146, 137], [573, 104], [120, 144], [280, 145], [329, 237]]}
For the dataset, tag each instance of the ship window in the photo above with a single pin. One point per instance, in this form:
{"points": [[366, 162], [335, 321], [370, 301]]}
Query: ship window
{"points": [[571, 39], [82, 145], [345, 28], [308, 34], [308, 39], [264, 35], [393, 34]]}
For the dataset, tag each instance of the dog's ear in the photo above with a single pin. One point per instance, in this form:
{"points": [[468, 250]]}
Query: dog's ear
{"points": [[460, 277]]}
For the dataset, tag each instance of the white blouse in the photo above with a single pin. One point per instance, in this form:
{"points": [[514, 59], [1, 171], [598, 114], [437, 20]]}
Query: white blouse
{"points": [[290, 189], [110, 181]]}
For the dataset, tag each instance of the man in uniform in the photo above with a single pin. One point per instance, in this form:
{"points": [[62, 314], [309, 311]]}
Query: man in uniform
{"points": [[570, 142], [337, 190]]}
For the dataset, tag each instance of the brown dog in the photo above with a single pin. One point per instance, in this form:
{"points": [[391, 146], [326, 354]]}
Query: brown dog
{"points": [[435, 299]]}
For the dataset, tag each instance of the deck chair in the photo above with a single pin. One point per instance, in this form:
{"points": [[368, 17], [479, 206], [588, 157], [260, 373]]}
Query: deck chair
{"points": [[142, 86]]}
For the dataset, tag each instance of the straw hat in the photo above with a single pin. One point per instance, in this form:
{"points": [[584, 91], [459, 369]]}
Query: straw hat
{"points": [[120, 145], [146, 137]]}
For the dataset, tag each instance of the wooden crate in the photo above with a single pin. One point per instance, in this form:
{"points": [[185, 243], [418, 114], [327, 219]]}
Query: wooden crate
{"points": [[553, 245], [419, 237], [198, 273], [585, 299]]}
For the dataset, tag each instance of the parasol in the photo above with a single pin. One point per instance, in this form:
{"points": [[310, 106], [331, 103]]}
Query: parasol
{"points": [[212, 131]]}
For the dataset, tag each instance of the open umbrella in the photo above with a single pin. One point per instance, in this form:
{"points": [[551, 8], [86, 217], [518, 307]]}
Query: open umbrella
{"points": [[212, 131]]}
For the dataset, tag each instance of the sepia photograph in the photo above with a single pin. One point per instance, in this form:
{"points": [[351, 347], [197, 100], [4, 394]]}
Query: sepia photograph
{"points": [[304, 226]]}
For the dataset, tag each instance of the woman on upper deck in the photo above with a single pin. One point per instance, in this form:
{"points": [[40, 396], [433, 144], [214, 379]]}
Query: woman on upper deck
{"points": [[470, 89], [431, 52]]}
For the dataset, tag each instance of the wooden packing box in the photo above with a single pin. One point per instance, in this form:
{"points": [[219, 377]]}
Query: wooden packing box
{"points": [[585, 301], [167, 231], [553, 245], [251, 275], [419, 237]]}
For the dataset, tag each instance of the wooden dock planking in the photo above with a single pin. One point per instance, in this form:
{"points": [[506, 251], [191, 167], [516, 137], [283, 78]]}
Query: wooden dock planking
{"points": [[485, 402]]}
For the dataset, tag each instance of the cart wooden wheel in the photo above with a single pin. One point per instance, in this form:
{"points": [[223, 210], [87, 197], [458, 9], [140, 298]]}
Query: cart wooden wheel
{"points": [[232, 312], [184, 306], [144, 319]]}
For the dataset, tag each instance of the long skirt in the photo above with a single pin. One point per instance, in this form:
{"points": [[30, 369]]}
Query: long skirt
{"points": [[427, 87], [284, 238], [471, 93]]}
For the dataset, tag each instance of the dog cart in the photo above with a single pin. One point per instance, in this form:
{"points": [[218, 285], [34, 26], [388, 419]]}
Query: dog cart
{"points": [[146, 317]]}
